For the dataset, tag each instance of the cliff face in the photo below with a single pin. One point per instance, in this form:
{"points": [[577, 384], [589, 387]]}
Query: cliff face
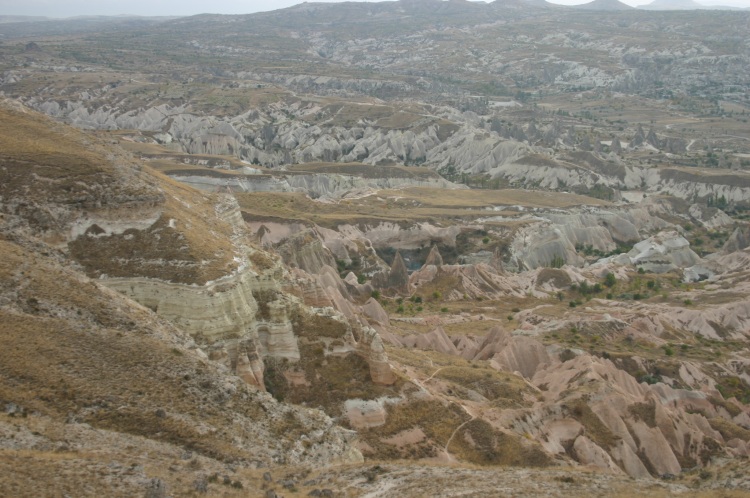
{"points": [[246, 316]]}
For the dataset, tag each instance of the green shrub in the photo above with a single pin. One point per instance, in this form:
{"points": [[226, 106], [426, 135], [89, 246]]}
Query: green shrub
{"points": [[557, 262], [610, 280]]}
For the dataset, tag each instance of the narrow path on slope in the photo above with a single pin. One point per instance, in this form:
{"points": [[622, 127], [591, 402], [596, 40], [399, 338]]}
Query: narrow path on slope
{"points": [[433, 374], [420, 385], [450, 439]]}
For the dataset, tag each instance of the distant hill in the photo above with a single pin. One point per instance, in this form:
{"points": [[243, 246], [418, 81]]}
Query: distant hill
{"points": [[9, 19], [521, 4], [672, 5], [604, 5]]}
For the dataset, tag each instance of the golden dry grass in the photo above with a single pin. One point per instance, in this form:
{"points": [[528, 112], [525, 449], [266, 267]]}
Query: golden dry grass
{"points": [[70, 347], [51, 173], [42, 161], [188, 244], [404, 206], [503, 389], [366, 170]]}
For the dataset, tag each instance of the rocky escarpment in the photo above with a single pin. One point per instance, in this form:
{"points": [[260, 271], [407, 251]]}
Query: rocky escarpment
{"points": [[117, 376], [524, 238], [244, 317], [452, 143]]}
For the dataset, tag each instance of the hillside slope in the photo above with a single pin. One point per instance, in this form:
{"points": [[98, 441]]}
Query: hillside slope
{"points": [[100, 395]]}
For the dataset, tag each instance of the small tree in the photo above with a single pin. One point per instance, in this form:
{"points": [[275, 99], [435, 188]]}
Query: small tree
{"points": [[610, 280]]}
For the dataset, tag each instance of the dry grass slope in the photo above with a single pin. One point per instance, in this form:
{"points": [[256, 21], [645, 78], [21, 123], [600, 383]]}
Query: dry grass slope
{"points": [[52, 174]]}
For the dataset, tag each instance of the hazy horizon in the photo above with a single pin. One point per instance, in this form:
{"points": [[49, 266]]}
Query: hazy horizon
{"points": [[72, 8]]}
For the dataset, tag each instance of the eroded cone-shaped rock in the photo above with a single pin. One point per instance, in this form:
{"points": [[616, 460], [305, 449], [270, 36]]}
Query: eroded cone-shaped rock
{"points": [[434, 258], [639, 138], [437, 340], [397, 279], [306, 251], [616, 146], [375, 312], [550, 136], [597, 146], [652, 139], [588, 453], [513, 354]]}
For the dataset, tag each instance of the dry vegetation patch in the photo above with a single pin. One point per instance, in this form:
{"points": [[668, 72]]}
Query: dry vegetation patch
{"points": [[502, 388], [479, 442], [437, 419], [188, 244], [71, 349], [47, 169]]}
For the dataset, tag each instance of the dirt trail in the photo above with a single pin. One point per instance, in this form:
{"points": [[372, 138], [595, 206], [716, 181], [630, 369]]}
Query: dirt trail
{"points": [[442, 396]]}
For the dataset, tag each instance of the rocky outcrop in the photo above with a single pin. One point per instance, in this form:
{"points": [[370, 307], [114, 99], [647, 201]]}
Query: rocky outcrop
{"points": [[739, 240], [305, 250], [371, 347], [512, 353], [474, 281], [709, 217], [638, 139], [541, 244], [616, 146], [663, 252], [624, 426], [436, 340]]}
